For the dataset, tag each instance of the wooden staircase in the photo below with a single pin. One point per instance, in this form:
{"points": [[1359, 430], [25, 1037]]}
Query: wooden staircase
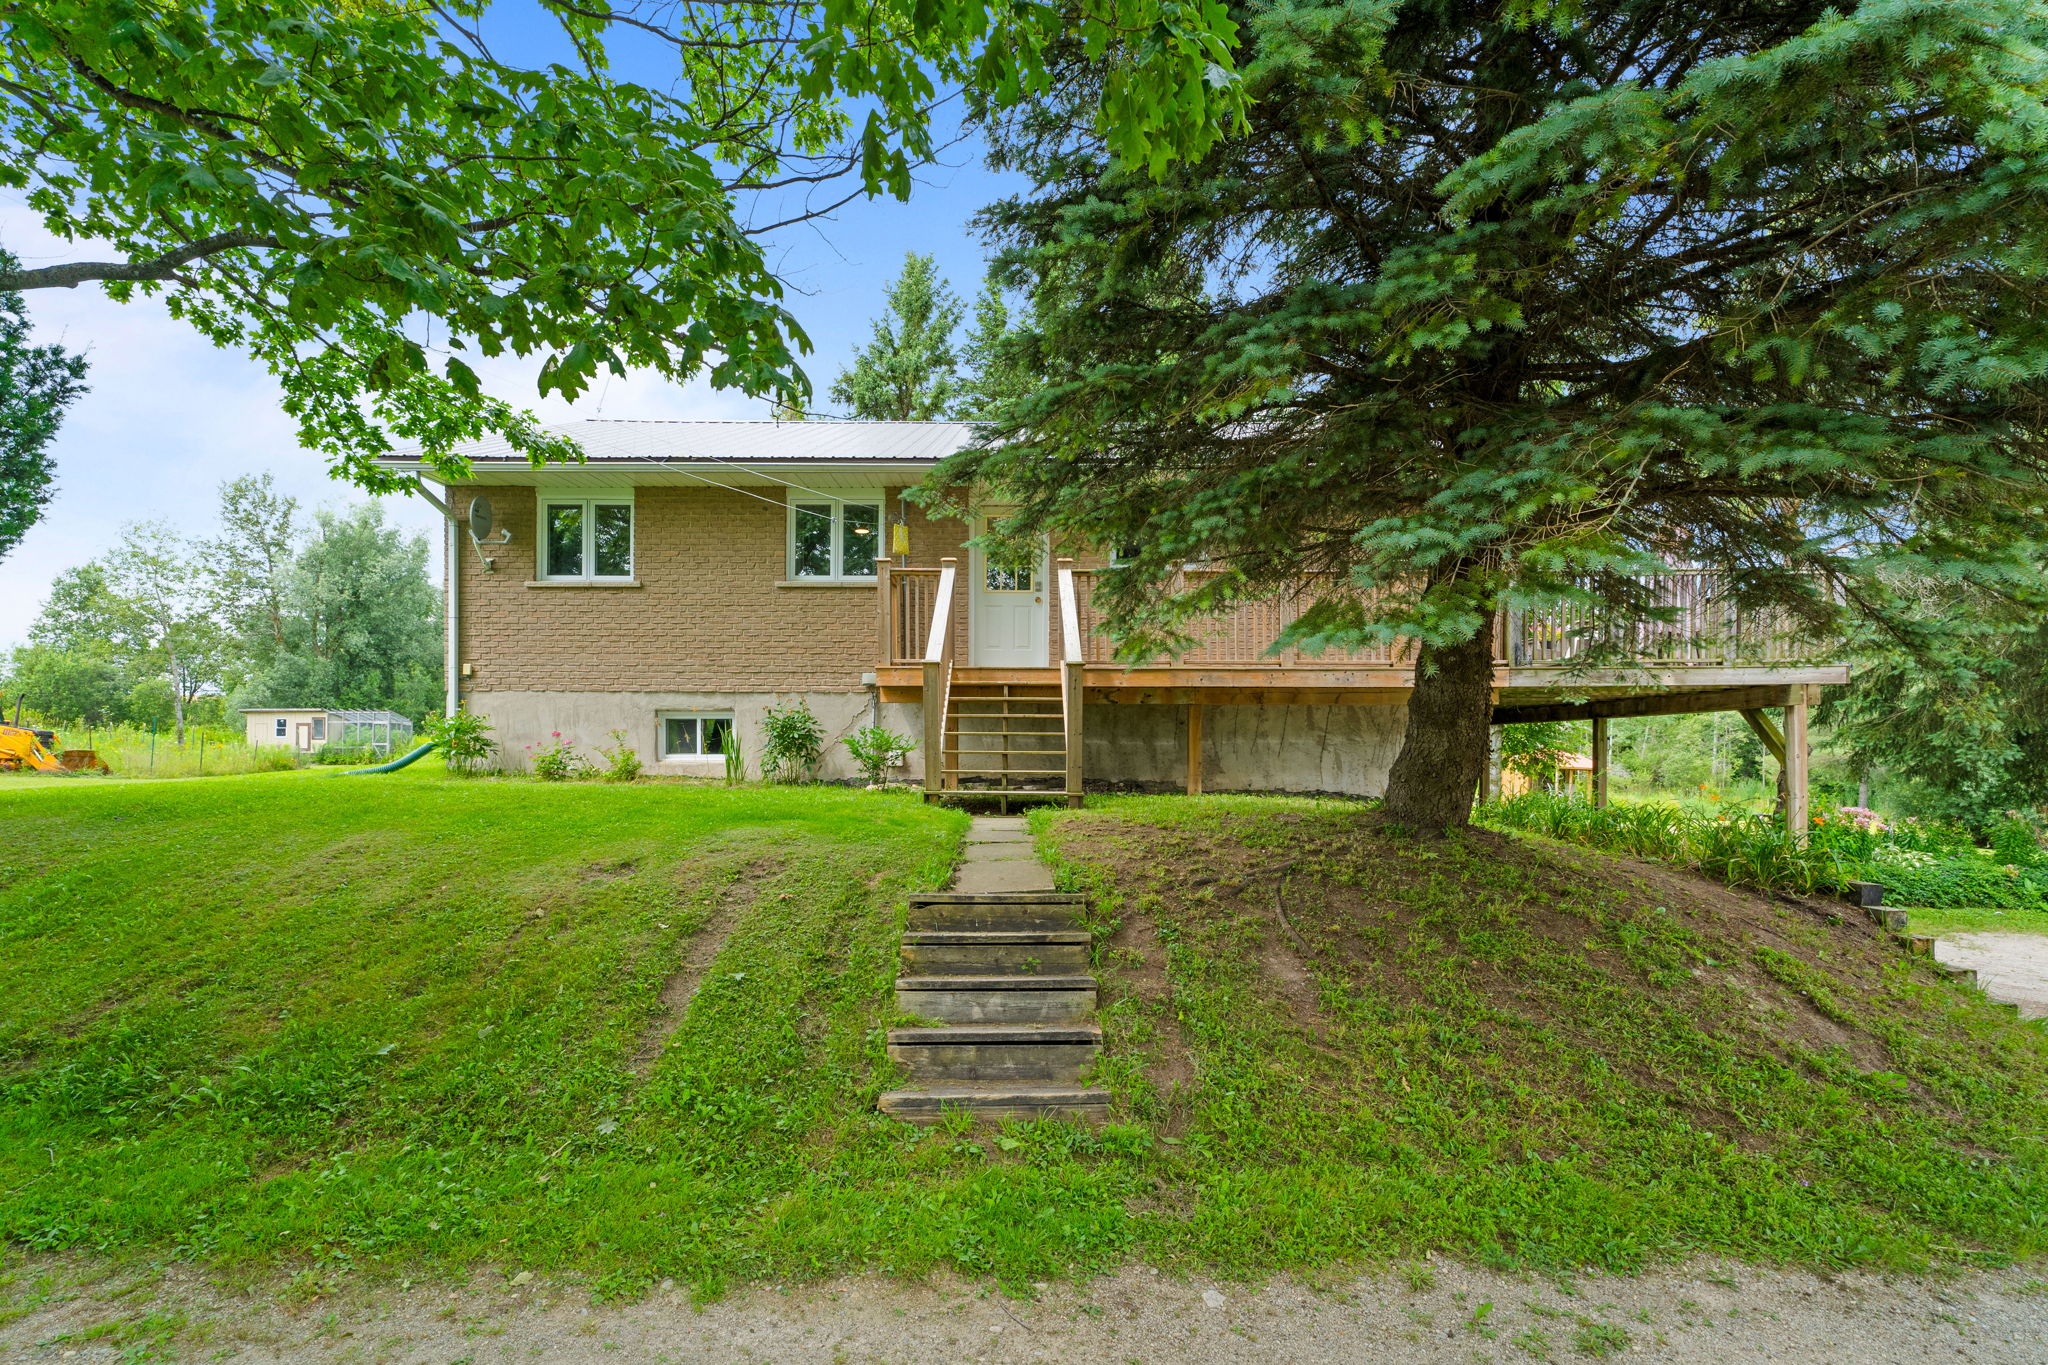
{"points": [[1002, 978], [1006, 737]]}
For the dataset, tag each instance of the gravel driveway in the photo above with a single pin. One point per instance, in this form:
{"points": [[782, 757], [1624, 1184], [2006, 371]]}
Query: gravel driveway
{"points": [[2010, 967], [1438, 1311]]}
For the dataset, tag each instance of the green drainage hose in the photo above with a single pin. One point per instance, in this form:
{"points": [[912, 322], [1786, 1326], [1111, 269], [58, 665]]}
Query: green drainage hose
{"points": [[395, 764]]}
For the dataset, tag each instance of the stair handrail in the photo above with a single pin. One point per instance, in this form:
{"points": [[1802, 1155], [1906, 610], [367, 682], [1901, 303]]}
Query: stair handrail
{"points": [[938, 676], [1072, 664]]}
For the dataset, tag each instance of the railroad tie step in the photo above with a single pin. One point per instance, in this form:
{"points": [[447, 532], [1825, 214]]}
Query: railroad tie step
{"points": [[994, 952], [999, 910], [929, 1104], [997, 999], [1024, 1054], [998, 982]]}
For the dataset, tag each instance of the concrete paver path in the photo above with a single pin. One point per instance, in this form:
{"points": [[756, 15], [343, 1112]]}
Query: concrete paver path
{"points": [[1000, 857]]}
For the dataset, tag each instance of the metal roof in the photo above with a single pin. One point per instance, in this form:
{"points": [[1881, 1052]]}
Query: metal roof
{"points": [[632, 442]]}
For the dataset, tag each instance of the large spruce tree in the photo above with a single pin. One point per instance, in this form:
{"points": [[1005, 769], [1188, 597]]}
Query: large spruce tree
{"points": [[1506, 303]]}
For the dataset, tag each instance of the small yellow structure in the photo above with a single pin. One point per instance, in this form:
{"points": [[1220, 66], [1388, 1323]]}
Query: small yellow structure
{"points": [[1571, 769]]}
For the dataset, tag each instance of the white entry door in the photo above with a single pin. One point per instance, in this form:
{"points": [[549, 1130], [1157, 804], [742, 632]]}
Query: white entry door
{"points": [[1006, 617]]}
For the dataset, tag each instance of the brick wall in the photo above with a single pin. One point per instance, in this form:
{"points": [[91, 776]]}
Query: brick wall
{"points": [[707, 616]]}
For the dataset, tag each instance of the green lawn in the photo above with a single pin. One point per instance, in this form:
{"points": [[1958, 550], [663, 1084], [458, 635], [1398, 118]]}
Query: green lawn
{"points": [[1967, 921], [303, 1022]]}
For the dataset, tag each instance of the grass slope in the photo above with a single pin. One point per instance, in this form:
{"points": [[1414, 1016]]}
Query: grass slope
{"points": [[351, 1019], [313, 1022], [1365, 1045]]}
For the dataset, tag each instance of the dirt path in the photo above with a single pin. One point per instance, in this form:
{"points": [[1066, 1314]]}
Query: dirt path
{"points": [[1438, 1312]]}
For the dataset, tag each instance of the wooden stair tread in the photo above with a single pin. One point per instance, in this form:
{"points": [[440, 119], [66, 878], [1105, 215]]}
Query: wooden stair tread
{"points": [[996, 897], [995, 936], [995, 1101], [995, 983], [963, 1035]]}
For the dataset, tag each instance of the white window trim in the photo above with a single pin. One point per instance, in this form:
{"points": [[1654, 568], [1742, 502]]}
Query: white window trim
{"points": [[661, 720], [864, 497], [283, 729], [590, 500]]}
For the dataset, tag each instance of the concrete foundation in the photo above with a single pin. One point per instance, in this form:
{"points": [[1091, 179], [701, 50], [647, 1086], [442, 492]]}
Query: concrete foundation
{"points": [[524, 720], [1244, 748], [1248, 748]]}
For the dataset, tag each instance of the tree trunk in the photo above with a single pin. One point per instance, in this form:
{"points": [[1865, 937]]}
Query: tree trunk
{"points": [[177, 695], [1443, 753]]}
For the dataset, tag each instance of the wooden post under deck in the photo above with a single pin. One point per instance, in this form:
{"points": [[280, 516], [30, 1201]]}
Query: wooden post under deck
{"points": [[938, 674], [1797, 756], [1599, 760], [1073, 673], [1194, 749]]}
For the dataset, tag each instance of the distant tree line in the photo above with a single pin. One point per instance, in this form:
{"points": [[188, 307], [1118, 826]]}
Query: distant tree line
{"points": [[272, 610], [912, 370]]}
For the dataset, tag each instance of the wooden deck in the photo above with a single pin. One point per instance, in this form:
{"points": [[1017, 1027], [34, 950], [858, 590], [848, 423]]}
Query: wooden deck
{"points": [[1708, 645], [1019, 730]]}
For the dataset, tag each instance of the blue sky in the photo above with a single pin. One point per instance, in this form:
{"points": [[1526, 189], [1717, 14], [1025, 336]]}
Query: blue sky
{"points": [[170, 417]]}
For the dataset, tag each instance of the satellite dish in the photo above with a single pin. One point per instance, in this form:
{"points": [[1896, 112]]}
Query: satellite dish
{"points": [[479, 518]]}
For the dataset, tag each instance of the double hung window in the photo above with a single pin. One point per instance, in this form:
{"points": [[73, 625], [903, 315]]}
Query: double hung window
{"points": [[834, 538], [586, 538]]}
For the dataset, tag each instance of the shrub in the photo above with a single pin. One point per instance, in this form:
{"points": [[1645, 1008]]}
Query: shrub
{"points": [[1742, 850], [1968, 882], [735, 761], [621, 763], [555, 762], [1927, 864], [344, 755], [2013, 840], [464, 739], [794, 744], [876, 749]]}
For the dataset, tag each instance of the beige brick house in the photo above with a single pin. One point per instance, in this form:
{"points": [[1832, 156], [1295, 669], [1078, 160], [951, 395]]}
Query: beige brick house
{"points": [[690, 574]]}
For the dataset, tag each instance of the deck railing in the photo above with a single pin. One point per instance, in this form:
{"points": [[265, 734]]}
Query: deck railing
{"points": [[1707, 628], [907, 599]]}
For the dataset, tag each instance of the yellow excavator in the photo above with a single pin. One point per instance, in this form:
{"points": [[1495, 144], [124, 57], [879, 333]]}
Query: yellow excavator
{"points": [[21, 747]]}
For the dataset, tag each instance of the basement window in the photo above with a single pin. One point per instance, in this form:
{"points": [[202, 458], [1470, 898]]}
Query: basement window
{"points": [[695, 736]]}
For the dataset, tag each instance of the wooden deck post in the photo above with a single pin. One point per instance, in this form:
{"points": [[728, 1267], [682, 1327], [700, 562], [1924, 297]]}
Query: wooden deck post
{"points": [[938, 678], [1073, 665], [1194, 749], [1599, 760], [885, 637], [1796, 761]]}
